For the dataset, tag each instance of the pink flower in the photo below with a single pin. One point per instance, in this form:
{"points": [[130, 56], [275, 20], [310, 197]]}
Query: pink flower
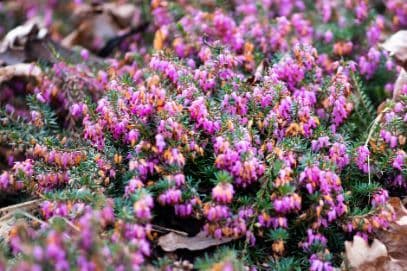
{"points": [[362, 154], [133, 136], [223, 193], [170, 197], [400, 160], [380, 197], [142, 207], [217, 212], [183, 210]]}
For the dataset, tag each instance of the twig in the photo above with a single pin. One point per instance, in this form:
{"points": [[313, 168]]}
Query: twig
{"points": [[17, 208], [373, 126], [7, 216], [73, 226], [369, 136], [42, 222], [161, 229], [45, 223], [12, 208]]}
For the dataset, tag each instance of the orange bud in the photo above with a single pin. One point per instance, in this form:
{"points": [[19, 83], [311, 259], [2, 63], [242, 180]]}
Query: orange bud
{"points": [[159, 38], [278, 247]]}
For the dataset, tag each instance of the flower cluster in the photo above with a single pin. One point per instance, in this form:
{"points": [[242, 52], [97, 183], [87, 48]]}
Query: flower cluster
{"points": [[63, 247]]}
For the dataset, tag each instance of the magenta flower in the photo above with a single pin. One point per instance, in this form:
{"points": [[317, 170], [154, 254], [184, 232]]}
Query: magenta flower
{"points": [[362, 154], [142, 207], [170, 197], [223, 193], [400, 160]]}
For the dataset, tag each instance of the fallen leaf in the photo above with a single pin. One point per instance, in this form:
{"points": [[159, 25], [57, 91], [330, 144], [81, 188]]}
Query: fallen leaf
{"points": [[400, 82], [362, 257], [399, 210], [10, 57], [359, 252], [173, 241], [93, 32], [30, 43], [97, 24], [395, 238], [125, 15], [18, 37], [21, 69], [396, 45], [388, 251], [12, 48]]}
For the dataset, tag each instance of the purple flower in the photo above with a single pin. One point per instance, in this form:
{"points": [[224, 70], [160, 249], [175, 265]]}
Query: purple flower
{"points": [[400, 160], [362, 154], [5, 180], [223, 193]]}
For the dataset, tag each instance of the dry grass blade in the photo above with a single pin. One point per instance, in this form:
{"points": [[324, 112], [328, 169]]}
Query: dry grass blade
{"points": [[165, 230], [28, 205]]}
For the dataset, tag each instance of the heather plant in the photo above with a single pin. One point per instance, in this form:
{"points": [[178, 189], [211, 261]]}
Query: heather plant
{"points": [[252, 121]]}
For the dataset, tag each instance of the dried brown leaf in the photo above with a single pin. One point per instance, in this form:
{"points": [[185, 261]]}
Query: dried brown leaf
{"points": [[30, 43], [93, 32], [400, 82], [96, 24], [173, 241], [125, 15], [399, 210], [395, 238], [21, 69], [383, 264], [359, 252], [362, 257], [12, 48], [396, 45], [19, 36], [11, 57], [388, 251]]}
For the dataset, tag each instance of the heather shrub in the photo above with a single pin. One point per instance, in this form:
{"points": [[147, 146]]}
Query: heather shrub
{"points": [[254, 122]]}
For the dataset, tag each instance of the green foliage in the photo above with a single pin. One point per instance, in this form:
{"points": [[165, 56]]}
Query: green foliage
{"points": [[221, 258]]}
